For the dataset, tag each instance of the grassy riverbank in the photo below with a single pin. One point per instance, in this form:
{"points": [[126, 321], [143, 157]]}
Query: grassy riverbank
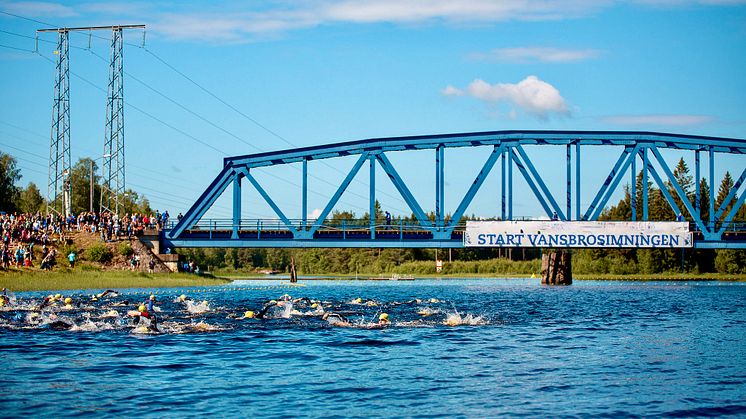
{"points": [[22, 280]]}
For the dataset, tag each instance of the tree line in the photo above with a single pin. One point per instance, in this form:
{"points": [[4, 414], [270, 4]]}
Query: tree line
{"points": [[29, 199]]}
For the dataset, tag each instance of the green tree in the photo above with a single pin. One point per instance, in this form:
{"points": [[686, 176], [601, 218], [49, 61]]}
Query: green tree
{"points": [[704, 200], [30, 200], [9, 175], [80, 181], [725, 187], [685, 180]]}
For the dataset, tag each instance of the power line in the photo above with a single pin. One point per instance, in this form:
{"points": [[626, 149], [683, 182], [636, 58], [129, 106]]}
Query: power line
{"points": [[255, 122]]}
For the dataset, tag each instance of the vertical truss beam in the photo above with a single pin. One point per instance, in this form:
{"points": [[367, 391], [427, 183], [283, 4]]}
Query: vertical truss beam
{"points": [[633, 187], [509, 150], [645, 186], [113, 187], [372, 196], [236, 205], [568, 196], [403, 190], [439, 185], [502, 183], [711, 223], [304, 194], [59, 190], [697, 189], [577, 181]]}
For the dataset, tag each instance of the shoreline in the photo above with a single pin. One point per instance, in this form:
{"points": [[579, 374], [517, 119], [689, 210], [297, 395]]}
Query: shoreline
{"points": [[78, 279]]}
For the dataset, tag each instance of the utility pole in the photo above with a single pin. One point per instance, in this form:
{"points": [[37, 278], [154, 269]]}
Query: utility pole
{"points": [[58, 186], [59, 154]]}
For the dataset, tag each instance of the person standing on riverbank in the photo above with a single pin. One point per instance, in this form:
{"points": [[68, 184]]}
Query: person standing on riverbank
{"points": [[71, 258]]}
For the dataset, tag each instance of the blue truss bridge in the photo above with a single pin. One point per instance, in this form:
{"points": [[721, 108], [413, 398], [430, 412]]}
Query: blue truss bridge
{"points": [[639, 152]]}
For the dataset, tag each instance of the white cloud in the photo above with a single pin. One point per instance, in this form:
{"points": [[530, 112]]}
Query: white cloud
{"points": [[235, 21], [38, 9], [532, 95], [670, 120], [537, 54]]}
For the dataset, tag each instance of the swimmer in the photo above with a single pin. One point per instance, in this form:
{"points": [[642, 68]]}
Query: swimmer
{"points": [[48, 301], [4, 300], [121, 304], [103, 294], [336, 319], [265, 309], [146, 310], [68, 303], [383, 319], [182, 298]]}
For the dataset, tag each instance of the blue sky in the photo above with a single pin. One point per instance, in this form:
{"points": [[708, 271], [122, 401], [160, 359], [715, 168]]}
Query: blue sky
{"points": [[315, 72]]}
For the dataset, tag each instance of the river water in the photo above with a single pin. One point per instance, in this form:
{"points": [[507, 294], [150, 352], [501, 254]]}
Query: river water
{"points": [[511, 347]]}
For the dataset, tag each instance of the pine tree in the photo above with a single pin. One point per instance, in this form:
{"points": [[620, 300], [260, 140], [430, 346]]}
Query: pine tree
{"points": [[704, 200], [725, 187], [684, 179]]}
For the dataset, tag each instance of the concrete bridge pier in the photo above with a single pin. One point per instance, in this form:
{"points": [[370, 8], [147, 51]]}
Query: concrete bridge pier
{"points": [[556, 267]]}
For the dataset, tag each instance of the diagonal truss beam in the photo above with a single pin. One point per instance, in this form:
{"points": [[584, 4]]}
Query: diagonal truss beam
{"points": [[478, 181], [679, 191], [731, 195], [519, 164], [334, 199], [729, 218], [269, 200], [403, 190], [205, 201], [540, 182], [612, 181]]}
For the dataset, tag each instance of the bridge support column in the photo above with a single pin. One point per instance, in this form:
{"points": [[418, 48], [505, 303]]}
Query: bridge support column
{"points": [[556, 267]]}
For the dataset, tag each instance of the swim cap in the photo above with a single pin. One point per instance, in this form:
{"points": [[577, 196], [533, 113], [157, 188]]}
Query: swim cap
{"points": [[141, 309], [182, 297], [2, 302], [273, 301], [249, 314], [68, 300], [314, 305], [58, 296], [383, 317], [434, 300], [152, 297], [358, 300]]}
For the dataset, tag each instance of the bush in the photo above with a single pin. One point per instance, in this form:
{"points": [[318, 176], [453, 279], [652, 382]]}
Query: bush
{"points": [[99, 253], [125, 249]]}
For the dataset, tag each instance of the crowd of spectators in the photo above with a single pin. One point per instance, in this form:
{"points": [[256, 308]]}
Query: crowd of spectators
{"points": [[21, 234]]}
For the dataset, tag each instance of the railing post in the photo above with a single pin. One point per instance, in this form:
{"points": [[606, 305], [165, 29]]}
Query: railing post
{"points": [[401, 232], [344, 229]]}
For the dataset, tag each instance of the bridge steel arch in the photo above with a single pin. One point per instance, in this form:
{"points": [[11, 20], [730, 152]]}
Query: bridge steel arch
{"points": [[507, 146]]}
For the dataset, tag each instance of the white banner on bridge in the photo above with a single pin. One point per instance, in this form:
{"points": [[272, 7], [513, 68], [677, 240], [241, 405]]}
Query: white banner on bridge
{"points": [[631, 234]]}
